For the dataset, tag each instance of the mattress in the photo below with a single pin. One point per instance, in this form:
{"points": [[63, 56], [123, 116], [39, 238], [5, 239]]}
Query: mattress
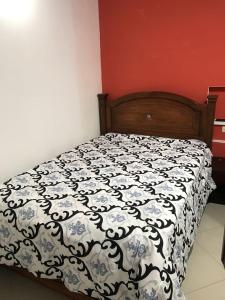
{"points": [[114, 218]]}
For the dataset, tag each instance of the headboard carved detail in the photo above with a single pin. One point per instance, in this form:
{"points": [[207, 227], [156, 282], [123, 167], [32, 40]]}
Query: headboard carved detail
{"points": [[159, 114]]}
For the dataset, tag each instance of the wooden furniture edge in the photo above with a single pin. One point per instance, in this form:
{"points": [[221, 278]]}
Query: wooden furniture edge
{"points": [[211, 107], [102, 103], [223, 250], [216, 89]]}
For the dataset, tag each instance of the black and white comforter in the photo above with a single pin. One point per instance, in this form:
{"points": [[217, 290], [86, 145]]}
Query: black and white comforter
{"points": [[114, 218]]}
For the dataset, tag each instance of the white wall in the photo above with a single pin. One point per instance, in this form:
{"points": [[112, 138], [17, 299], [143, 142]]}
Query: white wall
{"points": [[49, 77]]}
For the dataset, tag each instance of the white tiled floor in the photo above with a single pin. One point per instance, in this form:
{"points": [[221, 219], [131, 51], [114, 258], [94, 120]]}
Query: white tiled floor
{"points": [[205, 278]]}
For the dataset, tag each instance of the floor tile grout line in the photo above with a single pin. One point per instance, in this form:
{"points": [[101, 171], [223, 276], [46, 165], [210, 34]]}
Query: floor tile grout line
{"points": [[206, 230], [214, 259], [209, 229], [204, 287]]}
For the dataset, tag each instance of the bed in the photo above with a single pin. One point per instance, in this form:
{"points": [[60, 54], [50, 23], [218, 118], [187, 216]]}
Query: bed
{"points": [[115, 218]]}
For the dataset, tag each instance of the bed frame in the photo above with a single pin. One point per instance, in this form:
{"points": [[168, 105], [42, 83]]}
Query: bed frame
{"points": [[148, 113], [158, 114]]}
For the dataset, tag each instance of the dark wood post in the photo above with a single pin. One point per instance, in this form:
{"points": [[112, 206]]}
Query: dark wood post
{"points": [[102, 104], [223, 250], [211, 101]]}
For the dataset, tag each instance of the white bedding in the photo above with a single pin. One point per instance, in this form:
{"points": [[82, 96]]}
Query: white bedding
{"points": [[114, 218]]}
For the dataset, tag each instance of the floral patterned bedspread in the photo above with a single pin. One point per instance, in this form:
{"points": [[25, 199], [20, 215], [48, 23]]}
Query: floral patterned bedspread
{"points": [[114, 218]]}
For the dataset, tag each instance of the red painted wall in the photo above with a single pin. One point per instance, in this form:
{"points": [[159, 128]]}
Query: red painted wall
{"points": [[169, 45]]}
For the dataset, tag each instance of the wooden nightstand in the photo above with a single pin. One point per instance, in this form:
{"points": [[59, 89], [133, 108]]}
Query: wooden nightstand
{"points": [[218, 174]]}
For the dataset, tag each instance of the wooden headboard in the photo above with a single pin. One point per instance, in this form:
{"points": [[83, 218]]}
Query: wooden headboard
{"points": [[158, 114]]}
